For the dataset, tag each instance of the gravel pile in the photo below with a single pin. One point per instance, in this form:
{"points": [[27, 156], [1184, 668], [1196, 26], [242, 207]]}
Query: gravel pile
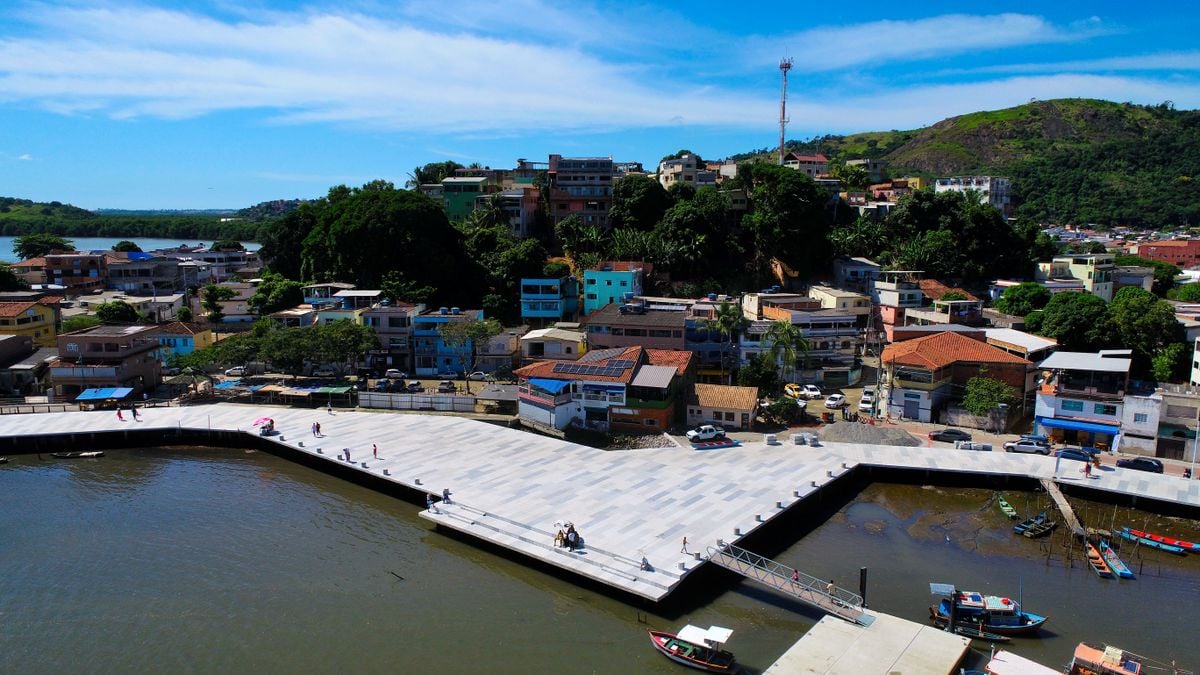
{"points": [[854, 432]]}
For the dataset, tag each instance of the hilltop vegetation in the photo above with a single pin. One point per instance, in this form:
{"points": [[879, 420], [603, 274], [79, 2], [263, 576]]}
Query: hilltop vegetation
{"points": [[1071, 160], [22, 216]]}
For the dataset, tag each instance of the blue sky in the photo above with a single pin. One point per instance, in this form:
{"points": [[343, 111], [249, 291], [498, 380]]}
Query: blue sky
{"points": [[225, 103]]}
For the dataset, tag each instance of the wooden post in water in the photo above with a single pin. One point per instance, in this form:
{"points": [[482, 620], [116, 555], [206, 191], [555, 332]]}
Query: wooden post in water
{"points": [[862, 585]]}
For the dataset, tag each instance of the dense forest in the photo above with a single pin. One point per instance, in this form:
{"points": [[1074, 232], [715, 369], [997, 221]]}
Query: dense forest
{"points": [[1072, 161], [22, 216]]}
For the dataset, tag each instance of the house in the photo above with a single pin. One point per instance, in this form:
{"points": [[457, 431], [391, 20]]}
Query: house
{"points": [[319, 294], [991, 190], [235, 310], [34, 318], [611, 327], [141, 273], [716, 352], [895, 292], [613, 281], [1179, 252], [431, 355], [685, 169], [1053, 286], [32, 271], [731, 407], [922, 376], [178, 338], [393, 326], [581, 186], [557, 344], [156, 308], [632, 389], [502, 352], [810, 165], [545, 302], [966, 310], [1135, 276], [1080, 398], [1094, 271], [833, 340], [848, 302], [459, 194], [106, 357], [520, 205], [300, 316], [223, 264], [874, 167], [23, 365], [1028, 346], [77, 272]]}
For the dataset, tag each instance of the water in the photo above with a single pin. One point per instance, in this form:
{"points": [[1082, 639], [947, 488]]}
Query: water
{"points": [[106, 243], [223, 560]]}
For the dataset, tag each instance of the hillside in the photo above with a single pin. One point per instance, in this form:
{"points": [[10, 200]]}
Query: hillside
{"points": [[1071, 160], [22, 216]]}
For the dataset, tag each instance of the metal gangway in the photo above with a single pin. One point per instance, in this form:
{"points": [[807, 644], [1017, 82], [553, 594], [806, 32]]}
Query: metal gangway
{"points": [[804, 587]]}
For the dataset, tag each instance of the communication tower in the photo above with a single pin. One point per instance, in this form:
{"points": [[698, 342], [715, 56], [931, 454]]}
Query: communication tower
{"points": [[784, 66]]}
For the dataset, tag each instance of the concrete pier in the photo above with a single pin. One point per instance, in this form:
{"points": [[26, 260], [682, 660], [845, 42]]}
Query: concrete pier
{"points": [[887, 645], [1064, 507]]}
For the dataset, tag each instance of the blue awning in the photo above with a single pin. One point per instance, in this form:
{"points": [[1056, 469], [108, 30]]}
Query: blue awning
{"points": [[102, 394], [1076, 425], [551, 386]]}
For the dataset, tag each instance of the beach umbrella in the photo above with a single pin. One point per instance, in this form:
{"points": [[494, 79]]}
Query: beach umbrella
{"points": [[262, 420]]}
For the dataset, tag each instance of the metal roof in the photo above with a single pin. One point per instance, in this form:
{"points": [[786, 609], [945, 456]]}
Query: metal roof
{"points": [[1085, 361], [655, 377]]}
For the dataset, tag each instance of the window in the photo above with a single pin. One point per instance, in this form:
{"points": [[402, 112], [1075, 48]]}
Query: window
{"points": [[650, 422], [729, 417], [591, 282], [591, 296], [1139, 418], [624, 283], [1072, 406], [1105, 409], [608, 282]]}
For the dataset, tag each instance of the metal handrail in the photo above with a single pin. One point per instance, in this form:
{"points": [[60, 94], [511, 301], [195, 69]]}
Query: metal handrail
{"points": [[776, 574]]}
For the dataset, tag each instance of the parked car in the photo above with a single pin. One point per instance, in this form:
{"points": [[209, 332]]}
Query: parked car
{"points": [[447, 386], [395, 374], [811, 391], [1023, 445], [793, 390], [414, 387], [1075, 454], [480, 376], [236, 371], [835, 401], [324, 371], [172, 370], [949, 435], [1036, 438], [707, 432], [450, 374], [866, 403], [1141, 464]]}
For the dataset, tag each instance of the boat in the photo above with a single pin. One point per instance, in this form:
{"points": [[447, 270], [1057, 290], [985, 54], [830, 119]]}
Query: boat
{"points": [[1114, 561], [1041, 529], [1169, 541], [1020, 527], [992, 613], [1096, 561], [1006, 507], [972, 631], [1095, 659], [3, 460], [1125, 533], [697, 648], [77, 454]]}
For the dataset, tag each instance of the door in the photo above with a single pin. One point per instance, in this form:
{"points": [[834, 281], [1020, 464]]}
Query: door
{"points": [[912, 410]]}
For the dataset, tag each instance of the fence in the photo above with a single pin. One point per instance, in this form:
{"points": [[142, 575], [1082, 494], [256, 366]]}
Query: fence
{"points": [[435, 402]]}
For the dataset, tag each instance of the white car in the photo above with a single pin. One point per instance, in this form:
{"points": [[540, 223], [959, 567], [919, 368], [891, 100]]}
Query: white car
{"points": [[236, 371], [480, 376], [395, 374], [811, 392], [324, 371], [835, 401], [707, 432]]}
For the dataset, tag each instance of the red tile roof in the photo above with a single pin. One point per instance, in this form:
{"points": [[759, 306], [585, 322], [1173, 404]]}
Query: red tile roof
{"points": [[32, 262], [946, 349], [14, 309], [934, 289], [546, 368], [179, 328], [670, 357], [728, 397]]}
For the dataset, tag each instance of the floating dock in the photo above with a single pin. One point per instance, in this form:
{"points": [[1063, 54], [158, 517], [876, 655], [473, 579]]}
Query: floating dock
{"points": [[888, 644]]}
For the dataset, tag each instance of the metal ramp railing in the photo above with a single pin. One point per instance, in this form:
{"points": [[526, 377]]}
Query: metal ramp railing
{"points": [[807, 588]]}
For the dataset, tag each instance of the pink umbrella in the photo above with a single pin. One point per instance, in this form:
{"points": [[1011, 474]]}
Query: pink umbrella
{"points": [[262, 420]]}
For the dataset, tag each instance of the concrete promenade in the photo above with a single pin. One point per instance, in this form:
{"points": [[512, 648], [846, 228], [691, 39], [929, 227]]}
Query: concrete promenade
{"points": [[514, 488]]}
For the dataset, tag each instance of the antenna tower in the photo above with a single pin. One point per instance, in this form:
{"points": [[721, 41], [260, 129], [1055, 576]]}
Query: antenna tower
{"points": [[784, 66]]}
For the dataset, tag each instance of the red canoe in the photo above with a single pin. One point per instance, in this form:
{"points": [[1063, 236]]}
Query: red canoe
{"points": [[1186, 545]]}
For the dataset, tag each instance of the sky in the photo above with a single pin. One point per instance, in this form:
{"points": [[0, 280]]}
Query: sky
{"points": [[205, 104]]}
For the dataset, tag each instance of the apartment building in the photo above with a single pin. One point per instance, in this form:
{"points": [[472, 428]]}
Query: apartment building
{"points": [[1094, 271], [106, 357], [991, 189]]}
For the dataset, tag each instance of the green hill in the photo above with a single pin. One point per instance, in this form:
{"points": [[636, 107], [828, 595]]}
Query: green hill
{"points": [[22, 216], [1071, 160]]}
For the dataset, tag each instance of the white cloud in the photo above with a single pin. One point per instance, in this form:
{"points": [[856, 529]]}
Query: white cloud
{"points": [[1169, 61], [26, 157]]}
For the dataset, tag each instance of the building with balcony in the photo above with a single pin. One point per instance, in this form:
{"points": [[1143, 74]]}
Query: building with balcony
{"points": [[833, 339], [106, 357], [729, 406], [895, 292], [36, 319], [849, 302], [810, 165], [716, 353], [521, 205], [581, 186], [545, 302], [23, 365], [613, 282], [659, 329], [1162, 423], [1180, 252], [631, 389], [431, 354], [991, 190], [1081, 395], [460, 194], [32, 271], [235, 310], [1132, 276], [145, 273], [223, 264], [179, 338], [77, 272], [502, 352], [319, 294], [1094, 271], [875, 168], [393, 326], [552, 344], [923, 375], [686, 169]]}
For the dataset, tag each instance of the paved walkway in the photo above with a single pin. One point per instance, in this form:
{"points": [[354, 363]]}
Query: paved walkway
{"points": [[633, 508]]}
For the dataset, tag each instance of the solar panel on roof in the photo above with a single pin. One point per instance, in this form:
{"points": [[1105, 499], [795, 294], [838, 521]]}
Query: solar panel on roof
{"points": [[561, 367], [621, 363]]}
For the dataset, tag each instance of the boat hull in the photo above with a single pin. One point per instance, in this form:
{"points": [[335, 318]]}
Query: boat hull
{"points": [[692, 655], [83, 454], [1030, 623], [1160, 539], [1114, 561], [1096, 561], [1124, 533]]}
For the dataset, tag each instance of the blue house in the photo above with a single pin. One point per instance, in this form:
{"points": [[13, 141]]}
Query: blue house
{"points": [[611, 282], [545, 302], [431, 355], [177, 339]]}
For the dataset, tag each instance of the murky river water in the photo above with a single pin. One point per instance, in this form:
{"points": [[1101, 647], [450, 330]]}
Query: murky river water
{"points": [[210, 560]]}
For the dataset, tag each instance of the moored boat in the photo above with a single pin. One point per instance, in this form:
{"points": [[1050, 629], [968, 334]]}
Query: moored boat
{"points": [[1096, 561], [3, 460], [991, 613], [1041, 529], [1114, 561], [696, 648], [1125, 533], [1094, 659], [1006, 507], [1169, 541], [1020, 527], [972, 631], [77, 454]]}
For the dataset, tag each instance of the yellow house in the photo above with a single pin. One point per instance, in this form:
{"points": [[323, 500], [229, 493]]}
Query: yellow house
{"points": [[34, 319]]}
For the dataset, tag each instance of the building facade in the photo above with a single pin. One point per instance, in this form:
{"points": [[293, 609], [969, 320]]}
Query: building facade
{"points": [[106, 356], [612, 282], [545, 302], [992, 190]]}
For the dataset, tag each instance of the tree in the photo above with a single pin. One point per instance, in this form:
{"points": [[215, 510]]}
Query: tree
{"points": [[762, 372], [555, 269], [433, 172], [1186, 293], [787, 220], [1079, 321], [38, 244], [729, 322], [126, 246], [184, 314], [984, 394], [1144, 324], [275, 292], [466, 337], [787, 341], [1023, 298], [211, 298], [79, 322], [853, 177], [117, 311], [288, 350], [397, 288], [785, 410], [343, 342], [9, 281], [638, 202], [577, 237], [228, 245], [1173, 363]]}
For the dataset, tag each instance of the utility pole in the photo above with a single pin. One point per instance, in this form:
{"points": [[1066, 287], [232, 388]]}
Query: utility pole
{"points": [[784, 66]]}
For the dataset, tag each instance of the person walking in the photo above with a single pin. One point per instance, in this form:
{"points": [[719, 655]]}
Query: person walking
{"points": [[375, 451], [796, 578], [329, 407], [683, 549], [1087, 469], [314, 429], [135, 415], [347, 451], [317, 426], [120, 417], [429, 503], [446, 496], [830, 588]]}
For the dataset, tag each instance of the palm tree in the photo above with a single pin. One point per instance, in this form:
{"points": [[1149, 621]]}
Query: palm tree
{"points": [[787, 340], [729, 321]]}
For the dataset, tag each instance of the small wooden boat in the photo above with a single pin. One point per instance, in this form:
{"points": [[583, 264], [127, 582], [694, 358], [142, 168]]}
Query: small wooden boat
{"points": [[1006, 507], [1125, 533], [3, 460], [1169, 541], [1114, 561], [1096, 561], [77, 454], [991, 613], [696, 648], [1020, 527], [1041, 529]]}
